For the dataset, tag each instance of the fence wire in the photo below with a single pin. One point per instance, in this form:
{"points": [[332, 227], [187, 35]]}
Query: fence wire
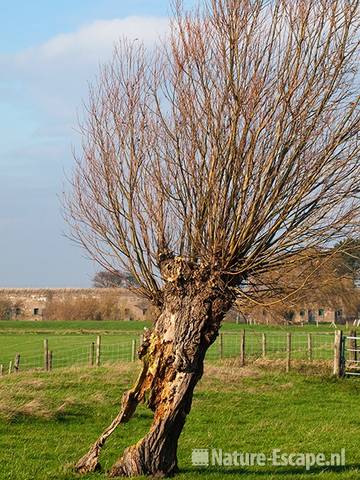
{"points": [[123, 348]]}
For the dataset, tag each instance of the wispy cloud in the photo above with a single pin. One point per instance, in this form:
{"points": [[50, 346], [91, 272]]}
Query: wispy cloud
{"points": [[92, 41], [41, 89], [54, 75]]}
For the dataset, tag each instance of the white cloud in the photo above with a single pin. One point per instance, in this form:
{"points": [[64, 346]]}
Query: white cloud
{"points": [[53, 77], [41, 89], [92, 41]]}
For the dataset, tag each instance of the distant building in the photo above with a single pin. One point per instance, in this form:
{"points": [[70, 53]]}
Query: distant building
{"points": [[30, 304], [308, 314]]}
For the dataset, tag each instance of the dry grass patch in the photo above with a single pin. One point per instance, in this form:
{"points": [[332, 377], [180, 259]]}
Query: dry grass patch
{"points": [[63, 392], [34, 408], [228, 375], [231, 370], [11, 408]]}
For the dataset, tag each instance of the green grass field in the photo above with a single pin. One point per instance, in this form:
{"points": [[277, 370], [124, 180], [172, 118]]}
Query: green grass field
{"points": [[70, 327], [48, 420], [63, 327], [70, 342]]}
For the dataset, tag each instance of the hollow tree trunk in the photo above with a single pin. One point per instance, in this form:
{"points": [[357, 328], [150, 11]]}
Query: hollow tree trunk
{"points": [[173, 355]]}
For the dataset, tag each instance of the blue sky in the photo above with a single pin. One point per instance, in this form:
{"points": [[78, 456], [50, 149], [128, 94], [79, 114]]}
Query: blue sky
{"points": [[49, 50]]}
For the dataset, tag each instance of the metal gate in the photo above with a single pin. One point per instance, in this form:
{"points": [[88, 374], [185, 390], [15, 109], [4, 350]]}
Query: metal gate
{"points": [[351, 354]]}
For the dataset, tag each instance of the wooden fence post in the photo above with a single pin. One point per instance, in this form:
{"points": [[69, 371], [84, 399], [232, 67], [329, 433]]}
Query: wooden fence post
{"points": [[50, 360], [288, 350], [338, 345], [98, 350], [17, 362], [221, 345], [1, 370], [46, 355], [133, 350], [92, 354], [342, 356], [264, 345], [310, 347], [10, 367], [242, 348]]}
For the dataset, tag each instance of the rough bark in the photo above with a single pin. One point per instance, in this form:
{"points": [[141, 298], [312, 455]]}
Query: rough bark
{"points": [[172, 353]]}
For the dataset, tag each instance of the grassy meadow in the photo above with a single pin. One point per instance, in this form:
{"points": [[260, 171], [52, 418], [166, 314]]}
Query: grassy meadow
{"points": [[108, 326], [70, 342], [48, 420]]}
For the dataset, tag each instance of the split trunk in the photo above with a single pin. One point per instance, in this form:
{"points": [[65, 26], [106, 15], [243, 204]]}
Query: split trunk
{"points": [[173, 356]]}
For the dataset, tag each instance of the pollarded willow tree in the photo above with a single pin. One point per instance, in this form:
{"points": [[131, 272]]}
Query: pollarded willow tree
{"points": [[223, 154]]}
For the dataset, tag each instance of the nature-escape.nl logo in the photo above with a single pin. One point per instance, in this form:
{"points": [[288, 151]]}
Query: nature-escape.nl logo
{"points": [[206, 457]]}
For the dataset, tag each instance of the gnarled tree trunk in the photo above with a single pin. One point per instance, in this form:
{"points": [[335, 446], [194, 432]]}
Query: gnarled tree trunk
{"points": [[173, 355]]}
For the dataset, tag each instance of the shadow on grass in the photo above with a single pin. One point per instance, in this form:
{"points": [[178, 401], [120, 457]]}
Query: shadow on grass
{"points": [[64, 417]]}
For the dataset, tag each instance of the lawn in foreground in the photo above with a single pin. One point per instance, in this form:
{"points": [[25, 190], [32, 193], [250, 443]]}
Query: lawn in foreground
{"points": [[48, 420]]}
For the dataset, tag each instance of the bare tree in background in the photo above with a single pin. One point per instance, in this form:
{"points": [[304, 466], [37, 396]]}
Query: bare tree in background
{"points": [[223, 155], [349, 262], [316, 282], [113, 279]]}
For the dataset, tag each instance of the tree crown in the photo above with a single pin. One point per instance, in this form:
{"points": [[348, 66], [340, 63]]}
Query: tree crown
{"points": [[233, 145]]}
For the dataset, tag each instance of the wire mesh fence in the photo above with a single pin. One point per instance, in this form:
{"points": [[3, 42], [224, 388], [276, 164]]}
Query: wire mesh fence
{"points": [[66, 351], [274, 345]]}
